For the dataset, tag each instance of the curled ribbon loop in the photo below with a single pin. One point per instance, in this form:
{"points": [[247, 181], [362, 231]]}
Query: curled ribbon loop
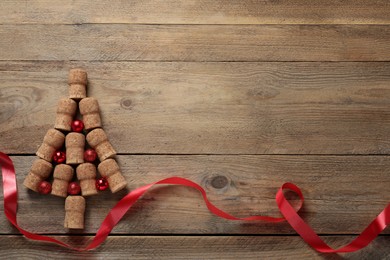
{"points": [[120, 209]]}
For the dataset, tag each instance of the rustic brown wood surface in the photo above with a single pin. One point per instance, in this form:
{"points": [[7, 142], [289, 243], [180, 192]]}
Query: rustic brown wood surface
{"points": [[347, 190], [189, 247], [197, 12], [210, 108], [238, 96], [178, 42]]}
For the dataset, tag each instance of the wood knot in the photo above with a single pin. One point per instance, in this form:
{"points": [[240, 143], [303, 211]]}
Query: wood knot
{"points": [[263, 93], [126, 103], [219, 182]]}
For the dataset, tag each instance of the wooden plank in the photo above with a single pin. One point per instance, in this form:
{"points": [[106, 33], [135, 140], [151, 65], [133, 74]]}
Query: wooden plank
{"points": [[187, 247], [197, 12], [209, 108], [119, 42], [343, 195]]}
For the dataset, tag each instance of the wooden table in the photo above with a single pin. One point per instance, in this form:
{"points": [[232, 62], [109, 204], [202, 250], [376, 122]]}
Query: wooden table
{"points": [[239, 96]]}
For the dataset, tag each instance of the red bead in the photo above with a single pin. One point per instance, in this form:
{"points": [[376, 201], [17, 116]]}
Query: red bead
{"points": [[90, 155], [74, 188], [101, 184], [44, 187], [59, 157], [77, 126]]}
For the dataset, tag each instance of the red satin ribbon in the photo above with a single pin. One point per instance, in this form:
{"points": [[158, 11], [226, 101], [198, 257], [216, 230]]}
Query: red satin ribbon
{"points": [[120, 209]]}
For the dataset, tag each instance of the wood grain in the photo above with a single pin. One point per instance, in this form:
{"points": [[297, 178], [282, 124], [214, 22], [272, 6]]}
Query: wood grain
{"points": [[187, 247], [343, 194], [215, 91], [123, 42], [209, 108], [197, 12]]}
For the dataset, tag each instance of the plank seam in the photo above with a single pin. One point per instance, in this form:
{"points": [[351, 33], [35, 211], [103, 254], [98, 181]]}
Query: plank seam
{"points": [[191, 235], [224, 154], [211, 61], [206, 24]]}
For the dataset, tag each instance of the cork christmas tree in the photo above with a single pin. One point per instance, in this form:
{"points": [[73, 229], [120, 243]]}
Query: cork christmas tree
{"points": [[76, 158]]}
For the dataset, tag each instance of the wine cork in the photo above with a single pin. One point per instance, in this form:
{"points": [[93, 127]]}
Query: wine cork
{"points": [[63, 174], [98, 140], [89, 108], [74, 212], [110, 170], [86, 174], [74, 144], [52, 141], [66, 110], [77, 84], [40, 171]]}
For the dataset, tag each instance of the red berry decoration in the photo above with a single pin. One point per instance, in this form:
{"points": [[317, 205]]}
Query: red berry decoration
{"points": [[59, 157], [101, 184], [44, 187], [74, 188], [90, 155], [77, 126]]}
